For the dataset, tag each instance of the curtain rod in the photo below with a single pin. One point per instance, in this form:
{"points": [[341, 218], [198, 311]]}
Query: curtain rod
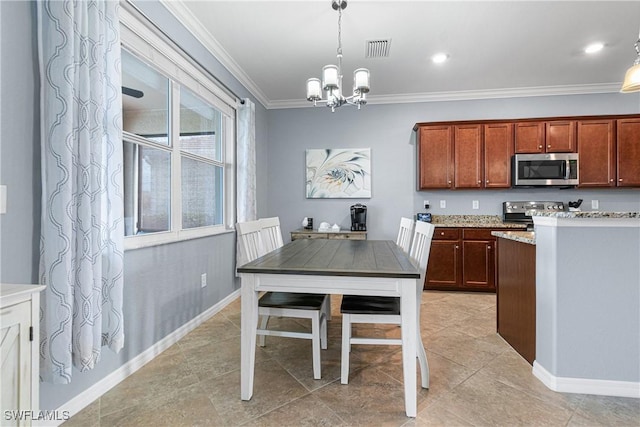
{"points": [[198, 63]]}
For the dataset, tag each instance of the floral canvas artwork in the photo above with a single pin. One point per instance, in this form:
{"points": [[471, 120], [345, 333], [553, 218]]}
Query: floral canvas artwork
{"points": [[339, 173]]}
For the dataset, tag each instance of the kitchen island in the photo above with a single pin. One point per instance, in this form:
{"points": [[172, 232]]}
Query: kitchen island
{"points": [[587, 280], [516, 291]]}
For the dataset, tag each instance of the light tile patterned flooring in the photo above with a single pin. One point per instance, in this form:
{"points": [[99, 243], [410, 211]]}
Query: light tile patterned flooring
{"points": [[476, 380]]}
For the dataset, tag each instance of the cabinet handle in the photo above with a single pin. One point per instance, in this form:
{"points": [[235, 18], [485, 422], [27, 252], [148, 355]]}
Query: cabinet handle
{"points": [[548, 146], [488, 248], [620, 180], [611, 180], [479, 181], [457, 246], [449, 182], [442, 233], [539, 146], [487, 181]]}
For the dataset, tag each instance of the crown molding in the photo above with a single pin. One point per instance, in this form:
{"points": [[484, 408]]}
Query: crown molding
{"points": [[191, 23], [468, 95]]}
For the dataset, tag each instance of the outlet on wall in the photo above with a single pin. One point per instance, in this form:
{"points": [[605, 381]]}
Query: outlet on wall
{"points": [[203, 280], [443, 204], [426, 204], [595, 204], [475, 204]]}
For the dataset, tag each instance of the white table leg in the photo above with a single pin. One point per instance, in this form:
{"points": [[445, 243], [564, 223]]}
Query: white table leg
{"points": [[249, 325], [408, 312]]}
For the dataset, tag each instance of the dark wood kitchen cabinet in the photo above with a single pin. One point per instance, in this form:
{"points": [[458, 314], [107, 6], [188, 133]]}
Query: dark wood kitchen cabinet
{"points": [[560, 136], [435, 157], [467, 142], [628, 152], [597, 151], [557, 136], [498, 149], [444, 270], [529, 137], [462, 259]]}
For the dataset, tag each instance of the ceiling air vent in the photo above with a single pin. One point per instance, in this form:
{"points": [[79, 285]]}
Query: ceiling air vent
{"points": [[377, 48]]}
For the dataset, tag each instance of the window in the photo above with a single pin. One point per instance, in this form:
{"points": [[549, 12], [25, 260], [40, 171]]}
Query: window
{"points": [[178, 139]]}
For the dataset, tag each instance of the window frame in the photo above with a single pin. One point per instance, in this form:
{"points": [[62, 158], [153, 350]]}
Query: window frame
{"points": [[142, 39]]}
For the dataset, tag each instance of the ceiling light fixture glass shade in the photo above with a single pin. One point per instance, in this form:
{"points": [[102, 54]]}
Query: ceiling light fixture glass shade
{"points": [[632, 77], [332, 77]]}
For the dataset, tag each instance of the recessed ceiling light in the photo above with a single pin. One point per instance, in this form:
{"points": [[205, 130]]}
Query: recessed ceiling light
{"points": [[439, 58], [594, 47]]}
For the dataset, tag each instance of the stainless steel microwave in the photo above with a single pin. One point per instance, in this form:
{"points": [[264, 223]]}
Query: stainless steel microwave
{"points": [[545, 169]]}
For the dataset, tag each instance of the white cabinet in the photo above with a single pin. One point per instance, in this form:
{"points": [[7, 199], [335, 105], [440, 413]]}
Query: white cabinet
{"points": [[19, 340]]}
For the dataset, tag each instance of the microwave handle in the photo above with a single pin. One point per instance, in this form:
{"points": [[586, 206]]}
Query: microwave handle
{"points": [[566, 169]]}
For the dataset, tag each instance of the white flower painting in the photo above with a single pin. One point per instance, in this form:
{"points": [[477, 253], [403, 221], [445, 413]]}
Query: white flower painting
{"points": [[339, 173]]}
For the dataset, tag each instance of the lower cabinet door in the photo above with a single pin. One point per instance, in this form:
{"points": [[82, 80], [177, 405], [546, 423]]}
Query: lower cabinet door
{"points": [[443, 270], [478, 264]]}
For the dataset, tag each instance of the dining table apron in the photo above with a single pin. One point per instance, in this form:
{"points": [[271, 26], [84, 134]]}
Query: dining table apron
{"points": [[325, 266]]}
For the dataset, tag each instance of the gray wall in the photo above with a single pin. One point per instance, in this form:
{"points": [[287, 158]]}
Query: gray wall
{"points": [[588, 301], [387, 130]]}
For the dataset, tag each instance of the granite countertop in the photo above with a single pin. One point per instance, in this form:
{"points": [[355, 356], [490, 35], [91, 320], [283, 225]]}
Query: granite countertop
{"points": [[474, 221], [519, 236], [589, 214]]}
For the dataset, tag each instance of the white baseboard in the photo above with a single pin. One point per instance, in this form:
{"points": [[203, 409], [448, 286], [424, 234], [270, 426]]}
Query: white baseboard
{"points": [[585, 385], [85, 398]]}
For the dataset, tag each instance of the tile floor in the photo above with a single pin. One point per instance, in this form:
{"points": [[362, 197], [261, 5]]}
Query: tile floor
{"points": [[476, 380]]}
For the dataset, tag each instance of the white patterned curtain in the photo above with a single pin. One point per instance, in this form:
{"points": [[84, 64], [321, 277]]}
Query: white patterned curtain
{"points": [[82, 237], [246, 169]]}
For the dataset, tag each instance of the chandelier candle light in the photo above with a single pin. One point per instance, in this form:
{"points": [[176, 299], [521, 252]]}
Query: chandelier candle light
{"points": [[332, 77]]}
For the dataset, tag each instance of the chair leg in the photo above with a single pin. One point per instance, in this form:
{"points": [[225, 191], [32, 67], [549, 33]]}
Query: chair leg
{"points": [[326, 307], [424, 364], [263, 325], [346, 348], [323, 331], [315, 340]]}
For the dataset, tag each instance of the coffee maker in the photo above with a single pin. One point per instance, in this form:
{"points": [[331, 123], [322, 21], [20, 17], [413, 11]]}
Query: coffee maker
{"points": [[358, 217]]}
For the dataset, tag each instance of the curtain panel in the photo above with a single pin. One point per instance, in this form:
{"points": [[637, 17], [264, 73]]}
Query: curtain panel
{"points": [[246, 169], [82, 233]]}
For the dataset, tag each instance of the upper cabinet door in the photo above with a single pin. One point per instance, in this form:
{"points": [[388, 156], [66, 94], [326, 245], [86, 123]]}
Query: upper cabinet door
{"points": [[529, 137], [498, 150], [467, 142], [628, 152], [435, 156], [561, 136], [596, 148]]}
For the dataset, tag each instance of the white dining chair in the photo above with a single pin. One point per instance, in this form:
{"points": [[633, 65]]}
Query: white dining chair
{"points": [[404, 234], [252, 236], [386, 310]]}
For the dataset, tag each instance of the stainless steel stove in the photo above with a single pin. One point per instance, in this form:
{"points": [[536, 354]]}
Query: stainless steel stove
{"points": [[516, 211]]}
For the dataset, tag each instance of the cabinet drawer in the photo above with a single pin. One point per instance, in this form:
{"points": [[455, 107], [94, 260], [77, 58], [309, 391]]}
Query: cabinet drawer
{"points": [[350, 236], [296, 236], [477, 234], [441, 233]]}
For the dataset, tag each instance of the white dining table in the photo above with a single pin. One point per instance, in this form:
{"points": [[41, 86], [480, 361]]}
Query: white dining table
{"points": [[333, 266]]}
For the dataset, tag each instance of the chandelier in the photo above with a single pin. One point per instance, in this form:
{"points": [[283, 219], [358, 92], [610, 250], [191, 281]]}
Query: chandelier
{"points": [[332, 77], [632, 77]]}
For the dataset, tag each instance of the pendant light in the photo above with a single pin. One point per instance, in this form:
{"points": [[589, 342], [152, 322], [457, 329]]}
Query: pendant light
{"points": [[632, 77]]}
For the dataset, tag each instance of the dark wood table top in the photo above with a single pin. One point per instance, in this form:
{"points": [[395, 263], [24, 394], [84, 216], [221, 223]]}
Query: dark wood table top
{"points": [[326, 257]]}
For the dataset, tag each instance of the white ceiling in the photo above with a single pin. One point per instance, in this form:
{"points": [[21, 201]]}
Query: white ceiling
{"points": [[496, 49]]}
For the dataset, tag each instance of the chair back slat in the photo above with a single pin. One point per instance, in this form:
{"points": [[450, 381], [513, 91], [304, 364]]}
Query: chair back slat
{"points": [[250, 236], [404, 234], [421, 246], [271, 233]]}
